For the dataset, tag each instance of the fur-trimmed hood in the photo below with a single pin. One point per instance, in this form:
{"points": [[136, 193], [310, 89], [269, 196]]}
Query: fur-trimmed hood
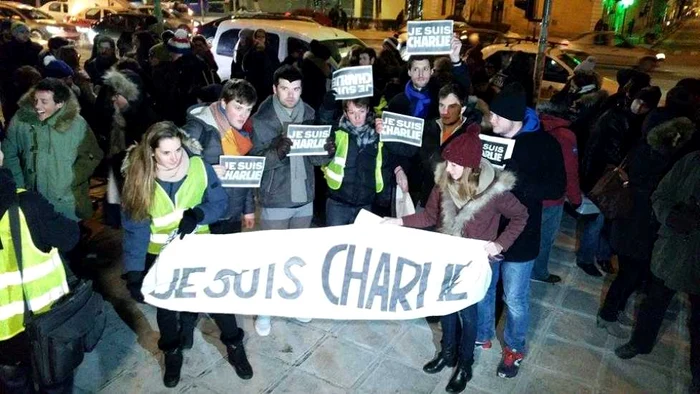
{"points": [[124, 83], [492, 183], [672, 134], [61, 120]]}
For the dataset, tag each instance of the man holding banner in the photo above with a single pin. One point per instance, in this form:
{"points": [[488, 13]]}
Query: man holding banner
{"points": [[287, 188], [538, 164], [358, 172], [222, 128]]}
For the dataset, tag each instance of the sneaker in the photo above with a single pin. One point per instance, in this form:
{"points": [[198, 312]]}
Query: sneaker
{"points": [[510, 363], [303, 319], [590, 269], [552, 279], [263, 325], [484, 345], [606, 267], [612, 327], [625, 319]]}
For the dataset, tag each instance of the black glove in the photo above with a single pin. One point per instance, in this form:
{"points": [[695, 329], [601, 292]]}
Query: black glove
{"points": [[189, 222], [684, 218], [134, 280], [283, 145], [330, 145]]}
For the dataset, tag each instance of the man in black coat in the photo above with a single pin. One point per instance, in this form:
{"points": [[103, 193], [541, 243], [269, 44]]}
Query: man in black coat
{"points": [[538, 164]]}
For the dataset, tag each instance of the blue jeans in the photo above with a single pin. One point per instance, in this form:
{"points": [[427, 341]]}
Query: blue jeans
{"points": [[516, 295], [463, 343], [339, 214], [551, 220], [594, 244]]}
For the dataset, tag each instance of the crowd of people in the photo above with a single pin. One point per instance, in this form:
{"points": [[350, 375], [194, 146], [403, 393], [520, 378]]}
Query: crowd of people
{"points": [[153, 118]]}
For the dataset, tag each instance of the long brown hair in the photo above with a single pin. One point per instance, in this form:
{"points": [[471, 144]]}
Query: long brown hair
{"points": [[140, 173], [466, 187]]}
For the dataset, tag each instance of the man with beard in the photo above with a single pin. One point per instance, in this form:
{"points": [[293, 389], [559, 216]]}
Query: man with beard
{"points": [[102, 59]]}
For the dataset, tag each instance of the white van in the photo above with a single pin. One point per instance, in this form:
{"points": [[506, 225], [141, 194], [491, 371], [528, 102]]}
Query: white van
{"points": [[281, 31]]}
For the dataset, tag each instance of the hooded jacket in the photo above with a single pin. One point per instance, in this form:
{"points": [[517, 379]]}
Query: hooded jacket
{"points": [[480, 218], [202, 126], [275, 188], [538, 164], [54, 157], [559, 129], [47, 228], [649, 161]]}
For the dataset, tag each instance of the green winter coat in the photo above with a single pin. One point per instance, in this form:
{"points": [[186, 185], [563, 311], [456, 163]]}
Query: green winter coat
{"points": [[676, 257], [55, 157]]}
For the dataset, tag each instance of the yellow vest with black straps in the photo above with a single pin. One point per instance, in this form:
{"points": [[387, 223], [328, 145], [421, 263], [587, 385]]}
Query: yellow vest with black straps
{"points": [[43, 278], [166, 214], [334, 172]]}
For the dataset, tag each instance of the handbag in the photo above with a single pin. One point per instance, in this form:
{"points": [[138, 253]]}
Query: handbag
{"points": [[612, 194], [59, 338]]}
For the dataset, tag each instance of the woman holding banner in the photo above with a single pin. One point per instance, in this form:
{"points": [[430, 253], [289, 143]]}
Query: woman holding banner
{"points": [[358, 172], [468, 200], [168, 190]]}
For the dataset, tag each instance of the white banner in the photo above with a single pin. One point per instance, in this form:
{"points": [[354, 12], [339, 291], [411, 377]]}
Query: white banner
{"points": [[356, 272]]}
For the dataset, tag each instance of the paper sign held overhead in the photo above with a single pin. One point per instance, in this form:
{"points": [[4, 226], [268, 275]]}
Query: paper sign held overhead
{"points": [[353, 82], [429, 37], [497, 150], [402, 128], [242, 171], [308, 140]]}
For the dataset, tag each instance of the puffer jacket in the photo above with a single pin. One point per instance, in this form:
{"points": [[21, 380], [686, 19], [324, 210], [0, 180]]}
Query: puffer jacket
{"points": [[202, 126], [54, 157]]}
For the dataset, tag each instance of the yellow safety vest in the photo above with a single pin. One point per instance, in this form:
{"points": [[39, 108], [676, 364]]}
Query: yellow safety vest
{"points": [[166, 215], [334, 172], [43, 278]]}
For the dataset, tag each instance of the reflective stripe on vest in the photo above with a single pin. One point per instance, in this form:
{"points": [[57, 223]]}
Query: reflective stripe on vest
{"points": [[166, 214], [334, 172], [44, 278]]}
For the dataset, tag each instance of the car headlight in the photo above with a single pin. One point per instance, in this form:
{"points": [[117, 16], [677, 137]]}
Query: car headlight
{"points": [[660, 56], [54, 30]]}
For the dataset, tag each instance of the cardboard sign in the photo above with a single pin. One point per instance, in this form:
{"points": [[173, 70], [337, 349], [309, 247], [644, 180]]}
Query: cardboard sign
{"points": [[242, 171], [308, 140], [355, 272], [402, 128], [353, 82], [429, 37], [497, 150]]}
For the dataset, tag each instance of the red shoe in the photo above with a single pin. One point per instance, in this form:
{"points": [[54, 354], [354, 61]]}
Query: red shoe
{"points": [[510, 363], [484, 345]]}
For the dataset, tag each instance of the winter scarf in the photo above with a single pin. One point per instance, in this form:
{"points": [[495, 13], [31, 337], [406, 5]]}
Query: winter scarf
{"points": [[365, 134], [297, 168], [175, 174], [233, 142], [420, 100]]}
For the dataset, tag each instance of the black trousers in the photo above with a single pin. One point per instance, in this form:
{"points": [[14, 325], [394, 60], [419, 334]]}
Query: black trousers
{"points": [[16, 369], [630, 274], [174, 326], [651, 316]]}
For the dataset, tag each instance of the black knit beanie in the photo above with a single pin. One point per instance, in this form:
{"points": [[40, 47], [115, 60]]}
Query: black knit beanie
{"points": [[510, 103]]}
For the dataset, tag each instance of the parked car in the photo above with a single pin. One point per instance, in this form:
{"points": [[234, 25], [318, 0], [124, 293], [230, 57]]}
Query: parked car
{"points": [[172, 17], [559, 65], [57, 9], [208, 30], [41, 25], [89, 16], [113, 25], [612, 49], [281, 31]]}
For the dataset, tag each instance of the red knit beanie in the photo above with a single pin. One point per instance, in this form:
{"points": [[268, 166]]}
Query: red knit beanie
{"points": [[464, 150]]}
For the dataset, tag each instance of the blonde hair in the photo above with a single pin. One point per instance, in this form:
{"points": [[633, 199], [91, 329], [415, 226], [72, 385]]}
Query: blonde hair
{"points": [[466, 186], [140, 173]]}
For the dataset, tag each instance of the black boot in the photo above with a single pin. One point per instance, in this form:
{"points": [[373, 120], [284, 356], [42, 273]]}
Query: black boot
{"points": [[15, 378], [446, 358], [460, 377], [239, 360], [173, 365]]}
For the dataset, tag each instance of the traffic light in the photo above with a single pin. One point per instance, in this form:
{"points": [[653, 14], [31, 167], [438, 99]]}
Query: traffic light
{"points": [[528, 6]]}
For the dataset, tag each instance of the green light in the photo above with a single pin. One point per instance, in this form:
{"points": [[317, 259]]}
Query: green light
{"points": [[626, 3]]}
